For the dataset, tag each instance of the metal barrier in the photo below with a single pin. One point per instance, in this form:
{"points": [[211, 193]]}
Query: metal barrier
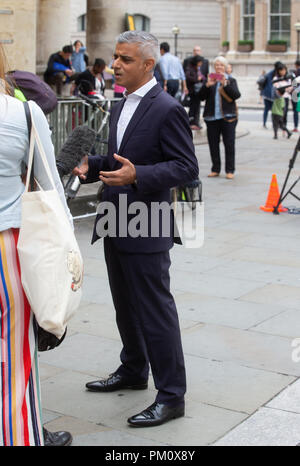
{"points": [[71, 112]]}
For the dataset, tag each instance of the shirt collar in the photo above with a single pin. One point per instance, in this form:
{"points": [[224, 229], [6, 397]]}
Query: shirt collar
{"points": [[142, 91]]}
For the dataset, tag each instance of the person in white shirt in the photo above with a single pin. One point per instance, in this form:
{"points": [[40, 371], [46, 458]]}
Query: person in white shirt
{"points": [[21, 422]]}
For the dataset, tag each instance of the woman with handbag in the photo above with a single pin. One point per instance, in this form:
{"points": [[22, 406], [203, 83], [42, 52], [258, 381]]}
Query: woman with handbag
{"points": [[194, 82], [220, 93], [20, 405]]}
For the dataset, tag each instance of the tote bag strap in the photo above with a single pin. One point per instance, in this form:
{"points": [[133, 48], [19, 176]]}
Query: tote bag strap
{"points": [[34, 138], [29, 125]]}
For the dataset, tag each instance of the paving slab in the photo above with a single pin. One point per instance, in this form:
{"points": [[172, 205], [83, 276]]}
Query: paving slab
{"points": [[224, 311], [199, 426], [288, 399], [268, 427], [247, 348], [286, 324], [284, 295], [238, 302], [230, 385]]}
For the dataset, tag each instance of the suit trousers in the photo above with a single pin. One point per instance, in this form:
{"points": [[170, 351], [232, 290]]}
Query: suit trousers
{"points": [[215, 129], [147, 320]]}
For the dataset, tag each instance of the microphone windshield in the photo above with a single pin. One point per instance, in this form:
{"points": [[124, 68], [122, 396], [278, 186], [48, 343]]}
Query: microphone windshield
{"points": [[78, 144]]}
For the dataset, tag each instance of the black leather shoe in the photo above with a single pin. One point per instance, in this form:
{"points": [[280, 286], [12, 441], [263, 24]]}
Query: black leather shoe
{"points": [[113, 383], [156, 414], [57, 439]]}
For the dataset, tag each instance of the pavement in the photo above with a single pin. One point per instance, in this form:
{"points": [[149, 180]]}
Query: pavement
{"points": [[238, 304]]}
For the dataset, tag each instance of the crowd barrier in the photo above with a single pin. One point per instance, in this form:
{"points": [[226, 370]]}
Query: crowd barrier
{"points": [[71, 112]]}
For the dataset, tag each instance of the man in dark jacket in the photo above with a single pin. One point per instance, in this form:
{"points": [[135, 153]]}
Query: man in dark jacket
{"points": [[205, 63], [150, 150], [59, 69]]}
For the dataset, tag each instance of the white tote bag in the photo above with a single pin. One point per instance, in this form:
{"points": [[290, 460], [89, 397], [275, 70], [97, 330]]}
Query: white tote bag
{"points": [[50, 259]]}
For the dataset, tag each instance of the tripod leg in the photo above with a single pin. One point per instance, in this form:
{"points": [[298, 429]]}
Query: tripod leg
{"points": [[291, 166]]}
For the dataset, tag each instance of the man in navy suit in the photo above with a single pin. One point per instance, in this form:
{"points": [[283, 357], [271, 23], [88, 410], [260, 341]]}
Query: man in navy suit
{"points": [[150, 150]]}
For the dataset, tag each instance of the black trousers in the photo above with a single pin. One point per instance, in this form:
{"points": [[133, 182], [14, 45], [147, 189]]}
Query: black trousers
{"points": [[216, 129], [147, 320], [278, 122], [194, 113]]}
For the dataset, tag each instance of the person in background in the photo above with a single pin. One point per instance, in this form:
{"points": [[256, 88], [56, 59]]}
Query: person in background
{"points": [[59, 69], [172, 71], [194, 80], [20, 408], [229, 70], [220, 115], [267, 92], [77, 58], [92, 78], [278, 108], [296, 71], [261, 84], [281, 72], [205, 63]]}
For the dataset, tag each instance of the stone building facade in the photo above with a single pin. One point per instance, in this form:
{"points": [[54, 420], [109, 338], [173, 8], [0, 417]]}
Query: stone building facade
{"points": [[33, 29]]}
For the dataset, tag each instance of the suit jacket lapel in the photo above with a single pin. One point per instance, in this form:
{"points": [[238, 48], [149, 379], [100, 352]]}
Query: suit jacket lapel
{"points": [[113, 128]]}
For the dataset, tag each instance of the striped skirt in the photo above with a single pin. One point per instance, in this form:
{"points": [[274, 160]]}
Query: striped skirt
{"points": [[20, 407]]}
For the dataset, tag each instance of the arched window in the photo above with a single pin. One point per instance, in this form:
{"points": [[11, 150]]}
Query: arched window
{"points": [[280, 20], [248, 19]]}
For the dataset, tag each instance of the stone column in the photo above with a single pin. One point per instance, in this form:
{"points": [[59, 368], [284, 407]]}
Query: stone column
{"points": [[261, 25], [224, 26], [18, 33], [295, 18], [105, 21], [53, 28], [235, 19]]}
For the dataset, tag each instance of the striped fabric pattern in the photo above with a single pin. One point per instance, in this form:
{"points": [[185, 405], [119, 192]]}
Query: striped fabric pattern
{"points": [[20, 406]]}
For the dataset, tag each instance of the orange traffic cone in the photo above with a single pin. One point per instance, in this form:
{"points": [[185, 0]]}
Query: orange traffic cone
{"points": [[273, 197]]}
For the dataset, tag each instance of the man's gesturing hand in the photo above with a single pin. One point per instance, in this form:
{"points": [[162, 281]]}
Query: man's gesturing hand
{"points": [[121, 177], [82, 169]]}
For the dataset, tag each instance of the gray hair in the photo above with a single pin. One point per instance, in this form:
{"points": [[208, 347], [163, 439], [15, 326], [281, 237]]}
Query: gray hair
{"points": [[221, 60], [148, 44]]}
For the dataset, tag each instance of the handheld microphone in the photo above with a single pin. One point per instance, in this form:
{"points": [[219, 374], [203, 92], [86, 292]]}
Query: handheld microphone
{"points": [[78, 144]]}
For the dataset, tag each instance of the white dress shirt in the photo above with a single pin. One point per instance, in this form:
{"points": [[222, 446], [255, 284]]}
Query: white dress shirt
{"points": [[130, 106]]}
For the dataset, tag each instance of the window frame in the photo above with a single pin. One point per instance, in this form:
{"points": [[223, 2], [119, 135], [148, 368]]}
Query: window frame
{"points": [[280, 15], [245, 15]]}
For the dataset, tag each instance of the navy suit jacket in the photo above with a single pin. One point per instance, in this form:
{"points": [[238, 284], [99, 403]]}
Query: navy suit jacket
{"points": [[158, 141]]}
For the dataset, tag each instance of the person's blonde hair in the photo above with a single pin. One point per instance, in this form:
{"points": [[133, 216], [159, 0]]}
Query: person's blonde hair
{"points": [[4, 86]]}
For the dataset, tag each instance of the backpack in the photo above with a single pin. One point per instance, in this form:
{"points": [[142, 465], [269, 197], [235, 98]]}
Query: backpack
{"points": [[34, 89]]}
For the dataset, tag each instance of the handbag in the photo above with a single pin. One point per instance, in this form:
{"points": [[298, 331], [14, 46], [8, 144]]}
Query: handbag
{"points": [[197, 87], [50, 258], [188, 207]]}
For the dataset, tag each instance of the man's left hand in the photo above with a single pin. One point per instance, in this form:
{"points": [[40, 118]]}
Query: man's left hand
{"points": [[121, 177]]}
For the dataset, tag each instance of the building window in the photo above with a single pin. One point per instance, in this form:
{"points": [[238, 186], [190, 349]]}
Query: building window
{"points": [[81, 23], [137, 22], [280, 20], [142, 23], [248, 19]]}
